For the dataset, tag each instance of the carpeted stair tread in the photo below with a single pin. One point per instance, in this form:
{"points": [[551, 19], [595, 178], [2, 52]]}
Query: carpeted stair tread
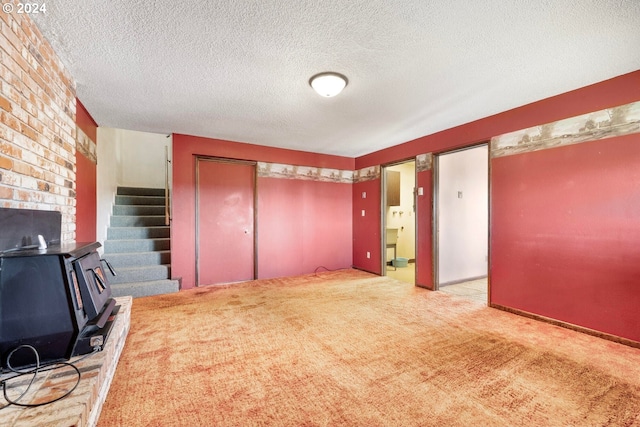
{"points": [[141, 273], [120, 233], [138, 210], [140, 191], [140, 200], [137, 220], [145, 288], [133, 259], [136, 245]]}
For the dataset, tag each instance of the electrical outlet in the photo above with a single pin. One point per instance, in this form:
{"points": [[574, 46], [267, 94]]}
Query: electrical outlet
{"points": [[362, 212], [368, 254], [364, 194]]}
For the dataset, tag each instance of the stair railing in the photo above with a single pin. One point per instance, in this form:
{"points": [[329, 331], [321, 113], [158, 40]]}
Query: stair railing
{"points": [[167, 207]]}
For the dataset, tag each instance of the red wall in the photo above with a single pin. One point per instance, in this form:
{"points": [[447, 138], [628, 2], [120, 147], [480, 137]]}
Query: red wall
{"points": [[605, 310], [85, 181], [424, 235], [302, 225], [565, 240], [366, 229], [288, 244]]}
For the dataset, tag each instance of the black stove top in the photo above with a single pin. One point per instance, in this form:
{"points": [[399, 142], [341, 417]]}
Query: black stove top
{"points": [[73, 249]]}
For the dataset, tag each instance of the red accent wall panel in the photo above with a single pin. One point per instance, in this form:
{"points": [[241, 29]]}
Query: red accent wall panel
{"points": [[302, 225], [85, 122], [366, 229], [85, 199], [609, 93], [86, 205], [424, 253], [565, 239], [185, 148]]}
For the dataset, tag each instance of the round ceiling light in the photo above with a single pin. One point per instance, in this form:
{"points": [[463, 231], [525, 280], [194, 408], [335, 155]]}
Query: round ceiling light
{"points": [[328, 84]]}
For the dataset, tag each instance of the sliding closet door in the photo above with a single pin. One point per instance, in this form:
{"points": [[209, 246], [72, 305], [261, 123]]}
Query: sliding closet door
{"points": [[225, 193]]}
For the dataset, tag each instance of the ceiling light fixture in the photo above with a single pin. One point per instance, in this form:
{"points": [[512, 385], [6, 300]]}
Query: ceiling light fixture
{"points": [[328, 84]]}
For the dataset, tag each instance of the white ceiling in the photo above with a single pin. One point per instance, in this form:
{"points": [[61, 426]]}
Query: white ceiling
{"points": [[239, 70]]}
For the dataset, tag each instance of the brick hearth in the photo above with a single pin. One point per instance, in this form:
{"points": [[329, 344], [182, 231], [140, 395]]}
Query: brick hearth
{"points": [[82, 407]]}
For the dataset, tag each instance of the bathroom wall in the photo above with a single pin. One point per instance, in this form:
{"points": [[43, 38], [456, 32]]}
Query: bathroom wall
{"points": [[403, 217]]}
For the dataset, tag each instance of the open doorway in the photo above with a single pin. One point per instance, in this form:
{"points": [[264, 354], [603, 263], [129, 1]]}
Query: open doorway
{"points": [[399, 221], [462, 222]]}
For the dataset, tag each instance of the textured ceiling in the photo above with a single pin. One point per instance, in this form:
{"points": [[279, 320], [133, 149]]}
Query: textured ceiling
{"points": [[239, 70]]}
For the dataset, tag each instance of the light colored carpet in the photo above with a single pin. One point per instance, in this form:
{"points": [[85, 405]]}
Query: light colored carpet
{"points": [[349, 348]]}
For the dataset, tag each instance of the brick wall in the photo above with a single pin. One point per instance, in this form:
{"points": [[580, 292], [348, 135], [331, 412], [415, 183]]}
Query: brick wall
{"points": [[37, 127]]}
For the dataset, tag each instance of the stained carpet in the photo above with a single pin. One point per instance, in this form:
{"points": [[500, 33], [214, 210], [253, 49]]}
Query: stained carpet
{"points": [[349, 348]]}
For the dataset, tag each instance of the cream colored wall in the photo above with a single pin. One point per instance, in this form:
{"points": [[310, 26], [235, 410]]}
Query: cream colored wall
{"points": [[463, 214], [106, 179], [129, 159], [143, 159]]}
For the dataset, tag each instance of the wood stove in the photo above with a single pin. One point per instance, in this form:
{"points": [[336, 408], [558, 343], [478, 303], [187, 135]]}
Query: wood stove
{"points": [[54, 298]]}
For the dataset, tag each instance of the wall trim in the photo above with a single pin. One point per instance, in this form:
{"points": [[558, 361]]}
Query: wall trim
{"points": [[307, 173], [424, 162], [577, 328], [367, 174], [602, 124], [365, 270], [85, 145], [468, 279]]}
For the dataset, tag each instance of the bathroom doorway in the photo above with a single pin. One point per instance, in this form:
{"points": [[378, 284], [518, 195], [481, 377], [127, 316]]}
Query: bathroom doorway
{"points": [[399, 221], [462, 222]]}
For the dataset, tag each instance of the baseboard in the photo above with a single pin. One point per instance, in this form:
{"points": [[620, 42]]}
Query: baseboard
{"points": [[468, 279], [365, 270], [577, 328]]}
